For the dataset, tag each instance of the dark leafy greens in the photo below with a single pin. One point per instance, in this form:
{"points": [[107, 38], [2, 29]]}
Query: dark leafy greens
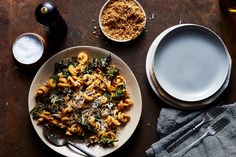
{"points": [[63, 65], [107, 141], [98, 62], [112, 72], [119, 93]]}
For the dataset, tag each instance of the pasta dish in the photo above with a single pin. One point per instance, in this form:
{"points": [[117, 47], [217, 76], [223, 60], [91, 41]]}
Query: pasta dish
{"points": [[85, 98]]}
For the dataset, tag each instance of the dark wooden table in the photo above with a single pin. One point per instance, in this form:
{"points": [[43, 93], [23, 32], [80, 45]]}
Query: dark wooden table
{"points": [[17, 136]]}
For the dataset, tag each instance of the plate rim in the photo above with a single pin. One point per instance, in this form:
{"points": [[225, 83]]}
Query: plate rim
{"points": [[102, 51]]}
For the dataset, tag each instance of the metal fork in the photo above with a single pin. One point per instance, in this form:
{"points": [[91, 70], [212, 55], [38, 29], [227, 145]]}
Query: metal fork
{"points": [[209, 116], [211, 130]]}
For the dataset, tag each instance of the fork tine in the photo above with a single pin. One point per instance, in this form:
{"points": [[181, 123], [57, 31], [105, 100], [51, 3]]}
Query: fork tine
{"points": [[221, 109], [216, 111], [220, 124], [213, 110]]}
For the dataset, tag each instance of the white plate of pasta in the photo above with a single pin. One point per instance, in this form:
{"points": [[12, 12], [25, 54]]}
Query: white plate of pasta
{"points": [[89, 94]]}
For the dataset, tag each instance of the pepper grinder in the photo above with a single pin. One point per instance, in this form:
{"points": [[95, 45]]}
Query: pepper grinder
{"points": [[48, 15]]}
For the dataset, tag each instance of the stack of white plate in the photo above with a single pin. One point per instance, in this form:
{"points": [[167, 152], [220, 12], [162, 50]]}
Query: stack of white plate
{"points": [[188, 66]]}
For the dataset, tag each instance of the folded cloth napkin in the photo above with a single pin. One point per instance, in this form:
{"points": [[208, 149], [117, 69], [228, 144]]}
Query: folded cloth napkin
{"points": [[174, 122]]}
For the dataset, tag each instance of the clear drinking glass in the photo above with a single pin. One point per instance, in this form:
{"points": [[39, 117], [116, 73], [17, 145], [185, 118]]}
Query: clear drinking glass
{"points": [[228, 6]]}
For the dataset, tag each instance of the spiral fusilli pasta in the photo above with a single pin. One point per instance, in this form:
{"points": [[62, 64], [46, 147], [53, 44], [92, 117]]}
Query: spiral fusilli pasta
{"points": [[84, 98]]}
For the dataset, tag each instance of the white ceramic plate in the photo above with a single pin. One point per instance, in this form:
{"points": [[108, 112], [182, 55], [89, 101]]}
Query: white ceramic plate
{"points": [[191, 63], [125, 133], [149, 59], [168, 99]]}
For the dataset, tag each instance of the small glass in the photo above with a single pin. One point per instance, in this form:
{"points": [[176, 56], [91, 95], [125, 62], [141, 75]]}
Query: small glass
{"points": [[228, 6]]}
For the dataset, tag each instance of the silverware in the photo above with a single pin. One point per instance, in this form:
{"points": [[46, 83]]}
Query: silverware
{"points": [[209, 116], [211, 130], [58, 139]]}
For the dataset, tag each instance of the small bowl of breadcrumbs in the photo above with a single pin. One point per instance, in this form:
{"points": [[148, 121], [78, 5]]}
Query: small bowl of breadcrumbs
{"points": [[122, 20]]}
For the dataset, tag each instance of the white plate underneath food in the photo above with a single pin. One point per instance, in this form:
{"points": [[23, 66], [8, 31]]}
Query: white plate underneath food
{"points": [[131, 85]]}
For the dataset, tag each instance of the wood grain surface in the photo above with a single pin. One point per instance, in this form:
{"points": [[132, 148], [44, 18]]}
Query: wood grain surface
{"points": [[17, 136]]}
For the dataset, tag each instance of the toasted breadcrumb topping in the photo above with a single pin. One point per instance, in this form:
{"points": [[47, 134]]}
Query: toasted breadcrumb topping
{"points": [[123, 19]]}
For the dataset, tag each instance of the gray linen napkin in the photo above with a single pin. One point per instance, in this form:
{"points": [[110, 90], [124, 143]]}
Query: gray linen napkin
{"points": [[173, 122]]}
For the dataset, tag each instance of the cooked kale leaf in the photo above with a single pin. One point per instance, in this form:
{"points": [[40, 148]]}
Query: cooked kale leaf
{"points": [[119, 93], [112, 72], [107, 142], [62, 65], [101, 62], [98, 62], [89, 68]]}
